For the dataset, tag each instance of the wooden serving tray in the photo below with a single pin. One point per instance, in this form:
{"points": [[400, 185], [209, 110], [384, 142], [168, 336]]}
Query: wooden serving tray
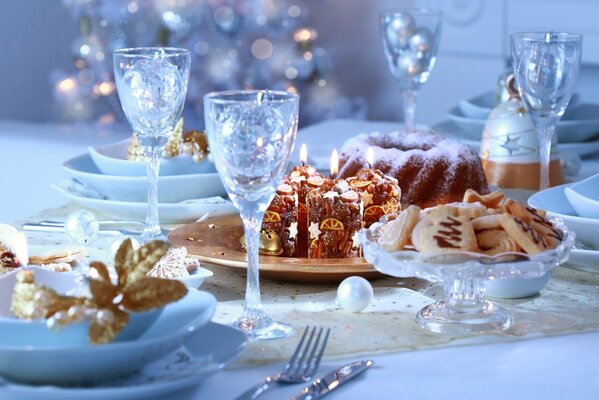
{"points": [[216, 241]]}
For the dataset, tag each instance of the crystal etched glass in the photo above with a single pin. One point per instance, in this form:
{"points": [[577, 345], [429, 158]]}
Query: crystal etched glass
{"points": [[464, 310], [411, 40], [251, 134], [152, 83], [546, 66]]}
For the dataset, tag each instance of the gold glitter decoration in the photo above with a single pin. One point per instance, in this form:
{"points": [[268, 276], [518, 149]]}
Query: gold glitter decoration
{"points": [[270, 244], [135, 150], [195, 144], [109, 304]]}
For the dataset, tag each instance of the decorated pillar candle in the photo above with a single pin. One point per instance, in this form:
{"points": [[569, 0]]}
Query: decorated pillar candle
{"points": [[334, 219], [282, 219], [304, 178], [380, 193]]}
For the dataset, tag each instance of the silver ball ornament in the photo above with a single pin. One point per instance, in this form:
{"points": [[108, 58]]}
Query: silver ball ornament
{"points": [[422, 40], [354, 294], [409, 63], [81, 227], [399, 29]]}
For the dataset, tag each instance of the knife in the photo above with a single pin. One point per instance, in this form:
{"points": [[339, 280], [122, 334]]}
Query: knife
{"points": [[322, 386]]}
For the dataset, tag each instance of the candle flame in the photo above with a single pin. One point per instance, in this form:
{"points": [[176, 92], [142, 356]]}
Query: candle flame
{"points": [[334, 163], [303, 154], [370, 157]]}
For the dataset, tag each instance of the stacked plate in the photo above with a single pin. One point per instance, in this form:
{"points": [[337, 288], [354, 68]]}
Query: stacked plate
{"points": [[577, 204], [104, 180], [71, 368], [577, 131]]}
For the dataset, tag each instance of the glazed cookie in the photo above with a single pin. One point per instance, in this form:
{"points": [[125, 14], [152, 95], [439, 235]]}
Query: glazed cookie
{"points": [[496, 241], [440, 233], [523, 234], [397, 233], [491, 200], [492, 221], [467, 211], [42, 255]]}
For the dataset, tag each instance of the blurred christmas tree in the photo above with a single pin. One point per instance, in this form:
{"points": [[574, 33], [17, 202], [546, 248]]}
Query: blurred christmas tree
{"points": [[266, 44]]}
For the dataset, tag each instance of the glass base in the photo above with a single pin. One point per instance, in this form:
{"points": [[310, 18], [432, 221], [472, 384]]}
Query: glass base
{"points": [[257, 325], [486, 317], [147, 236]]}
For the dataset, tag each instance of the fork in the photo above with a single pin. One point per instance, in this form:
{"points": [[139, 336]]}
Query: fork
{"points": [[299, 369]]}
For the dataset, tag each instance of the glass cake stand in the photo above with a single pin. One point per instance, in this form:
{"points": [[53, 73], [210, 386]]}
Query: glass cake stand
{"points": [[465, 310]]}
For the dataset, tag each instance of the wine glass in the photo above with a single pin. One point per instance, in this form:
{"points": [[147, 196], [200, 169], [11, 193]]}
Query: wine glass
{"points": [[251, 135], [411, 39], [152, 83], [546, 66]]}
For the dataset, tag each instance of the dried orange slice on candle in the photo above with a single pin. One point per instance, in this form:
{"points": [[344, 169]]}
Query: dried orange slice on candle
{"points": [[331, 224], [271, 216], [391, 207], [359, 183], [314, 244], [374, 211]]}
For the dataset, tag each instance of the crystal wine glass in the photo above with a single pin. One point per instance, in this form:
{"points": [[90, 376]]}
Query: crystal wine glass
{"points": [[251, 135], [152, 83], [411, 39], [546, 66]]}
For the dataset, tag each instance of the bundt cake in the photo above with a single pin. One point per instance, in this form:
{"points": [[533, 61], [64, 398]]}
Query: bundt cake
{"points": [[430, 169]]}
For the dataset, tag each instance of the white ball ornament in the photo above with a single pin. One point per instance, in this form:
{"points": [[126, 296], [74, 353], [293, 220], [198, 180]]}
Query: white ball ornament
{"points": [[422, 40], [399, 29], [81, 227], [354, 294]]}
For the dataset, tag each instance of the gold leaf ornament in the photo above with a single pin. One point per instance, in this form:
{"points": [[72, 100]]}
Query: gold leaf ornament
{"points": [[110, 303]]}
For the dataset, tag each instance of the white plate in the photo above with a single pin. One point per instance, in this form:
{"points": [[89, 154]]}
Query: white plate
{"points": [[207, 351], [581, 124], [171, 189], [554, 201], [75, 365], [481, 106], [111, 160], [169, 213], [584, 197]]}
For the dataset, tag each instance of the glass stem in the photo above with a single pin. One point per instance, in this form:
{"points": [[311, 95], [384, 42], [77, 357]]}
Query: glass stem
{"points": [[544, 136], [409, 109], [462, 294], [153, 168], [252, 223]]}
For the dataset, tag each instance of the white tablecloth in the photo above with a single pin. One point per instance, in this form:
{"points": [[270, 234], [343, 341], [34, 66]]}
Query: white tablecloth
{"points": [[548, 368]]}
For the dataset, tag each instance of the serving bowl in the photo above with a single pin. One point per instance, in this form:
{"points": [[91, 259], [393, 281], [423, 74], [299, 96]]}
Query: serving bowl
{"points": [[61, 362], [555, 202], [24, 333], [171, 188], [110, 160], [463, 274], [584, 197]]}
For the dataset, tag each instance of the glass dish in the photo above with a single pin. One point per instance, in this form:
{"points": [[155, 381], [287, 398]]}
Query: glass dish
{"points": [[465, 310]]}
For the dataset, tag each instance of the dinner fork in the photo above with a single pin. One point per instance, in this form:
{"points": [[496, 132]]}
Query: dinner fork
{"points": [[301, 366]]}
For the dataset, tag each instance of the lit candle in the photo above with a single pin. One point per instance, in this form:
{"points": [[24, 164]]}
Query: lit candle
{"points": [[303, 154], [334, 164], [370, 157]]}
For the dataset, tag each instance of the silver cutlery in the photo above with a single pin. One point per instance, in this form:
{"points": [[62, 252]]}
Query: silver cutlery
{"points": [[106, 226], [301, 366], [331, 381]]}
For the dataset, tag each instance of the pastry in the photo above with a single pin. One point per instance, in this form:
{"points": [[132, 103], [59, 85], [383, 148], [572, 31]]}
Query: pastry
{"points": [[444, 232], [430, 170], [496, 241], [397, 233], [43, 255]]}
